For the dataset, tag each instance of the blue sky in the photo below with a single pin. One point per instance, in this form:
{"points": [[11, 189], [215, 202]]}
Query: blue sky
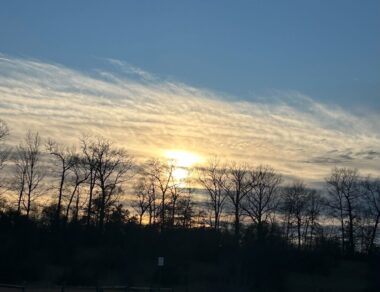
{"points": [[292, 84], [329, 50]]}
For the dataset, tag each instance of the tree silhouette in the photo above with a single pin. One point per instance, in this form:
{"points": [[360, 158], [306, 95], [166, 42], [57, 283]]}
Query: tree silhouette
{"points": [[295, 203], [160, 174], [343, 190], [79, 174], [262, 200], [213, 178], [238, 187], [371, 202], [4, 153], [90, 163], [29, 169], [112, 166], [144, 191], [65, 157]]}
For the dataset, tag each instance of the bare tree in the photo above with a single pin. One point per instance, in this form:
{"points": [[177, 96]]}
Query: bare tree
{"points": [[262, 200], [78, 175], [145, 198], [238, 186], [112, 165], [185, 209], [152, 207], [200, 216], [213, 178], [4, 156], [371, 205], [343, 199], [313, 212], [22, 166], [4, 153], [65, 157], [161, 174], [30, 173], [89, 153], [295, 199], [177, 191]]}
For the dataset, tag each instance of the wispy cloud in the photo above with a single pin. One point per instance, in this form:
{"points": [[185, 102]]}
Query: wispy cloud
{"points": [[148, 115]]}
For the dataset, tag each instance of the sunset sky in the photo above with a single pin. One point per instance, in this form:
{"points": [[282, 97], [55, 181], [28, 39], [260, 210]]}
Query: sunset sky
{"points": [[294, 84]]}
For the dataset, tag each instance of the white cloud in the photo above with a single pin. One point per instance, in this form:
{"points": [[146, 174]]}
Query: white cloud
{"points": [[295, 134]]}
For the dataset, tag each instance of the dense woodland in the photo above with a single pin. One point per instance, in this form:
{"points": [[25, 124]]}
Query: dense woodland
{"points": [[92, 215]]}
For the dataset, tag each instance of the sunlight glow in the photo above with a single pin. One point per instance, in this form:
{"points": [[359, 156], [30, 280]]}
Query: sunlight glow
{"points": [[183, 159], [180, 174]]}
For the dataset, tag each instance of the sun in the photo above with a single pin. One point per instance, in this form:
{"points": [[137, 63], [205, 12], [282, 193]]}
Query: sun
{"points": [[182, 158], [180, 173]]}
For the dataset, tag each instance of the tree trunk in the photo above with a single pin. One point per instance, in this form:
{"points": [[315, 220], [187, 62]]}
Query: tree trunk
{"points": [[28, 205], [60, 193], [351, 230], [373, 235], [69, 204], [102, 207], [237, 223], [299, 232], [91, 190], [342, 228], [20, 199]]}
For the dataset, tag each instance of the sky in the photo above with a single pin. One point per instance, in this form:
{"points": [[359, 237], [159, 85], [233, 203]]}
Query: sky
{"points": [[295, 84]]}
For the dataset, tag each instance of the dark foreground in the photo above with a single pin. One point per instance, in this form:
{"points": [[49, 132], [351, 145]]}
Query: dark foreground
{"points": [[36, 255]]}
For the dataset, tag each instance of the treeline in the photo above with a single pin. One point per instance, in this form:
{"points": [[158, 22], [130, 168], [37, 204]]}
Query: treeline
{"points": [[93, 215], [99, 184]]}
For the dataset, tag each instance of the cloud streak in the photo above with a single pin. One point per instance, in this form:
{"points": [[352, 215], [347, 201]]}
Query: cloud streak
{"points": [[147, 115]]}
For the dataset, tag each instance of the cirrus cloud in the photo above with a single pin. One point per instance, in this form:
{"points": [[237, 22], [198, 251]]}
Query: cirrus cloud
{"points": [[148, 115]]}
